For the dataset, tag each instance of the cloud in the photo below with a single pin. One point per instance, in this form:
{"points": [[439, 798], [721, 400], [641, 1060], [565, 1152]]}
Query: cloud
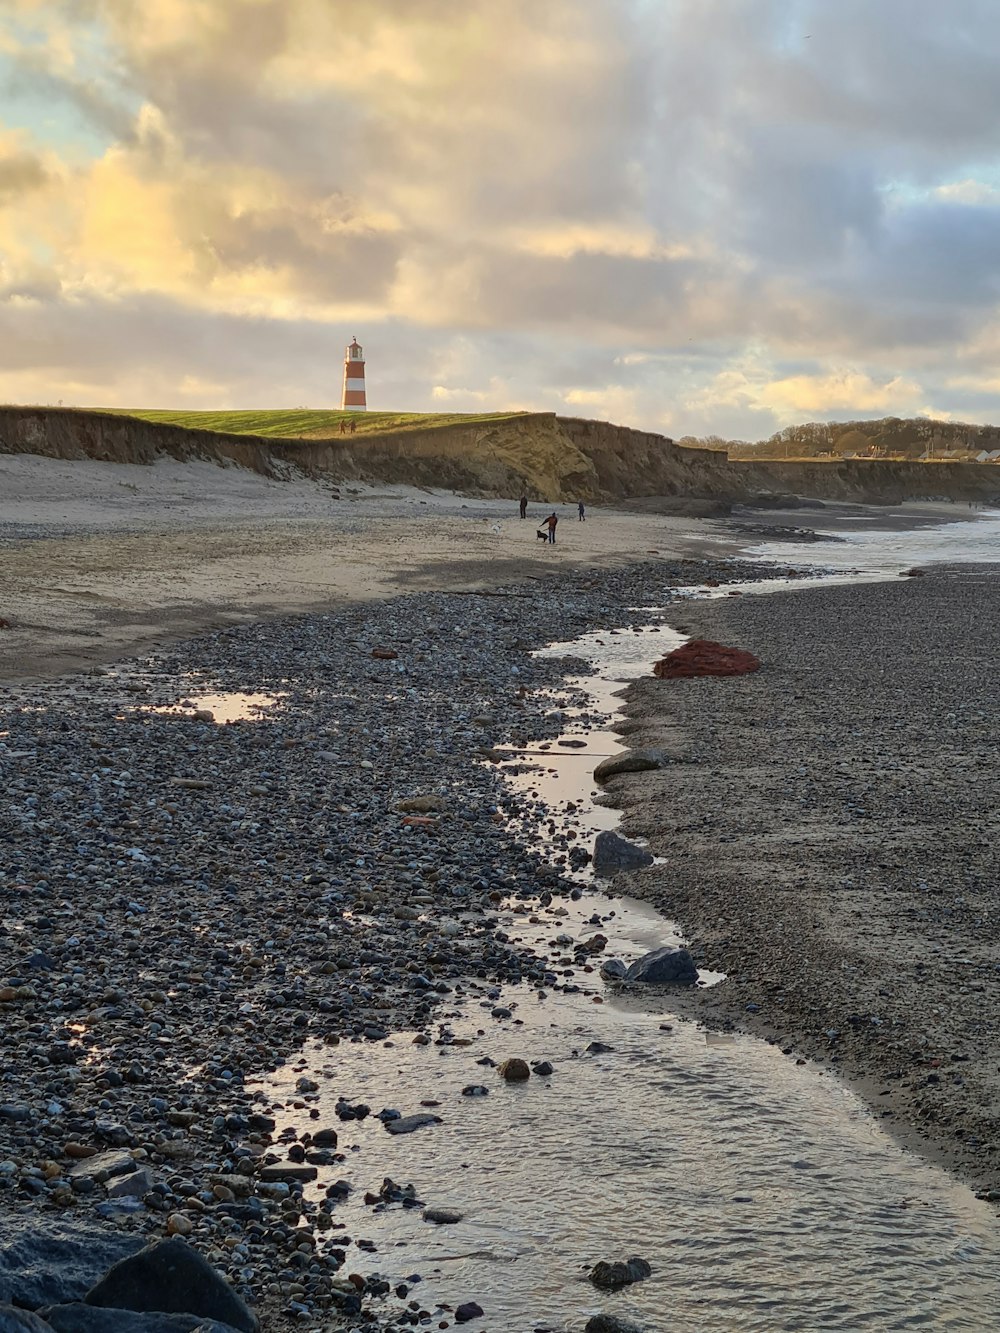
{"points": [[654, 208]]}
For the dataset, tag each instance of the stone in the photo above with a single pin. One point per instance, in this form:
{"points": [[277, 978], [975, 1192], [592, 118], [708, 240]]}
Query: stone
{"points": [[179, 1225], [469, 1310], [629, 761], [664, 967], [612, 854], [79, 1318], [105, 1165], [613, 969], [288, 1172], [408, 1123], [703, 657], [613, 1276], [609, 1323], [514, 1071], [170, 1277], [21, 1321], [48, 1261], [132, 1186], [542, 1068], [442, 1216]]}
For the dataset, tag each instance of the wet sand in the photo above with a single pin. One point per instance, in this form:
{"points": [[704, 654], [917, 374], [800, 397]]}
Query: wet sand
{"points": [[830, 835]]}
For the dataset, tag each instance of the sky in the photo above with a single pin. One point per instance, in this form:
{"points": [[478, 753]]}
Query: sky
{"points": [[690, 216]]}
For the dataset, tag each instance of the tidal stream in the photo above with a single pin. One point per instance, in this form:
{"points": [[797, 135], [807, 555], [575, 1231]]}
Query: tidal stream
{"points": [[763, 1193]]}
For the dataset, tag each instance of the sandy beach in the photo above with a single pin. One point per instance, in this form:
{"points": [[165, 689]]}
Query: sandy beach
{"points": [[829, 834], [98, 560]]}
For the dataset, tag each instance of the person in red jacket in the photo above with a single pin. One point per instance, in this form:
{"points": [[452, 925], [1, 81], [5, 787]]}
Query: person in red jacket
{"points": [[550, 523]]}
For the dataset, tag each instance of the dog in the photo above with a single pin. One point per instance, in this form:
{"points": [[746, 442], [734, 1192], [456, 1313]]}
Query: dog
{"points": [[542, 534]]}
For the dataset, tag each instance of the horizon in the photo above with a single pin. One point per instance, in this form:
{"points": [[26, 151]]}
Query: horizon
{"points": [[699, 218]]}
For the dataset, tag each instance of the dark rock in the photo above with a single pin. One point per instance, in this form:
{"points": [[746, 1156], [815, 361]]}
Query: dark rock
{"points": [[609, 1323], [46, 1261], [514, 1071], [612, 853], [542, 1068], [171, 1277], [610, 1277], [443, 1216], [664, 967], [78, 1318], [408, 1123], [613, 969], [470, 1310], [21, 1321], [629, 761]]}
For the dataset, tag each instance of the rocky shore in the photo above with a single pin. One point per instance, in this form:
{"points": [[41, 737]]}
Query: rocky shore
{"points": [[188, 900], [829, 834]]}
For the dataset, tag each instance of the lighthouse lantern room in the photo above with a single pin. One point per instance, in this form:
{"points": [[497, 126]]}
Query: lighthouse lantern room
{"points": [[354, 379]]}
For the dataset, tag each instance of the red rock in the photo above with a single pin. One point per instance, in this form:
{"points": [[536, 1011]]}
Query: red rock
{"points": [[385, 654], [701, 657]]}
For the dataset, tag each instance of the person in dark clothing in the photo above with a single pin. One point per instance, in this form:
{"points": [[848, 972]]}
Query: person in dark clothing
{"points": [[582, 512], [524, 506], [551, 522], [354, 425]]}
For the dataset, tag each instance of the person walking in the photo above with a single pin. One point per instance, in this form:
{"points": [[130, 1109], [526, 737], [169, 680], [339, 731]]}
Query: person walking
{"points": [[524, 506], [551, 522], [581, 511]]}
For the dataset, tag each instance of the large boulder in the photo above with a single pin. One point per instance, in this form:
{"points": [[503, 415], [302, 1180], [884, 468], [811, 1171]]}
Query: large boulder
{"points": [[79, 1318], [664, 967], [703, 657], [629, 761], [610, 1323], [170, 1277], [21, 1321], [612, 854], [48, 1261]]}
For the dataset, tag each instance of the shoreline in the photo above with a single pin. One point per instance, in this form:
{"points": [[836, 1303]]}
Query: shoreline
{"points": [[831, 798]]}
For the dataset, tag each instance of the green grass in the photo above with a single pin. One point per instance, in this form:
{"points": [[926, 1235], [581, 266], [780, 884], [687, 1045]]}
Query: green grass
{"points": [[300, 423]]}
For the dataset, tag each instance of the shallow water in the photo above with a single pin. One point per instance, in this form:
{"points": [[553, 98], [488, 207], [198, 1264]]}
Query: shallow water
{"points": [[875, 550], [764, 1193]]}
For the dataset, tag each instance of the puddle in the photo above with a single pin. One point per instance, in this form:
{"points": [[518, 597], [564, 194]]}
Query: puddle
{"points": [[232, 706], [764, 1194]]}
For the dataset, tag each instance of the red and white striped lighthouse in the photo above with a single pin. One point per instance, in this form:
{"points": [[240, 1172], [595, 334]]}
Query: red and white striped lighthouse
{"points": [[354, 379]]}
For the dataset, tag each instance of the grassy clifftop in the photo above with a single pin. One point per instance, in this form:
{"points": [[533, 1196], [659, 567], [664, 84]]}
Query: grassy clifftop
{"points": [[299, 423]]}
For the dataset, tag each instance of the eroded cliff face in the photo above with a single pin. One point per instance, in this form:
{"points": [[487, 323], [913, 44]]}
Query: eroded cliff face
{"points": [[553, 458]]}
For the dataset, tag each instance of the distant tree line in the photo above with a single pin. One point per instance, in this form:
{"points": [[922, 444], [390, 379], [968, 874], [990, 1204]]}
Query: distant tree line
{"points": [[890, 437]]}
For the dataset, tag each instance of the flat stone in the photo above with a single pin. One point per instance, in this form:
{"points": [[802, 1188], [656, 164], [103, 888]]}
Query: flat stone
{"points": [[629, 761], [442, 1216], [105, 1165], [408, 1123], [287, 1171]]}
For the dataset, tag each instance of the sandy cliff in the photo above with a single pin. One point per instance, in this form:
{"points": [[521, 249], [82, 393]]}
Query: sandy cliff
{"points": [[553, 457]]}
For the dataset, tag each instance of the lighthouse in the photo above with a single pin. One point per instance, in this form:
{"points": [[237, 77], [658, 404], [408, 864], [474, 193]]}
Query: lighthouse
{"points": [[354, 379]]}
